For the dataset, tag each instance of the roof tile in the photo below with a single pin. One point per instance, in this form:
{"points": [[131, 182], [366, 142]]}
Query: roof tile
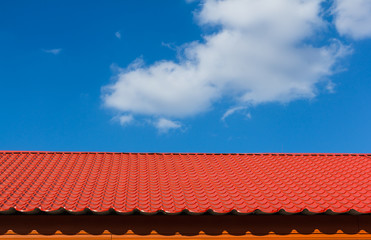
{"points": [[149, 182]]}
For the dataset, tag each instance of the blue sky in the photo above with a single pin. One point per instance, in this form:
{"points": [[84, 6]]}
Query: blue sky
{"points": [[178, 76]]}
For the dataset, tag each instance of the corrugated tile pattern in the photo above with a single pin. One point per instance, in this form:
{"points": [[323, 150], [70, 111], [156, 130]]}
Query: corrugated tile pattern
{"points": [[196, 183]]}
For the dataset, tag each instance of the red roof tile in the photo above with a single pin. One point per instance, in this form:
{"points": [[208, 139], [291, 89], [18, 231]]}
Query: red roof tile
{"points": [[195, 183]]}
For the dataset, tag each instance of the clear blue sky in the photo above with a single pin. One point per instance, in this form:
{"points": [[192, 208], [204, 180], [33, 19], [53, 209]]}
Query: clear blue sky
{"points": [[58, 57]]}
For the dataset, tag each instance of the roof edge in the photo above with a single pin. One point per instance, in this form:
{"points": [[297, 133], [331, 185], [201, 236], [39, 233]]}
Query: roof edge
{"points": [[184, 153], [87, 211]]}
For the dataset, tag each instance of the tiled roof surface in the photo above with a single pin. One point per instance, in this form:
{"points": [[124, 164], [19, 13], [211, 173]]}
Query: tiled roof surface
{"points": [[192, 183]]}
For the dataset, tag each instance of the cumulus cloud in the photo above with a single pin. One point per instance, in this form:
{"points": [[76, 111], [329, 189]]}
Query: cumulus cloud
{"points": [[262, 51], [54, 51], [164, 125], [353, 18]]}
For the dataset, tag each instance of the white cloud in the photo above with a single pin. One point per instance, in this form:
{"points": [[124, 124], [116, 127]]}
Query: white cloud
{"points": [[353, 18], [231, 111], [126, 119], [261, 53], [118, 35], [54, 51], [164, 125]]}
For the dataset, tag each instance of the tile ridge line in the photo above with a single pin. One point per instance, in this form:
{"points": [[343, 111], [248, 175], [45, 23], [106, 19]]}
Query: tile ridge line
{"points": [[186, 153]]}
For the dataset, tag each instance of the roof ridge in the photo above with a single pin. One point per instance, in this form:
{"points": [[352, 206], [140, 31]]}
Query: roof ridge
{"points": [[186, 153]]}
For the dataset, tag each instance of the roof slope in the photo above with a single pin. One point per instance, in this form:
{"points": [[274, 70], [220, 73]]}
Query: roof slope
{"points": [[195, 183]]}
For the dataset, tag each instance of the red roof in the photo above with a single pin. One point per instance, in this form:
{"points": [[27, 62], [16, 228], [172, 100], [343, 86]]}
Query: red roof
{"points": [[193, 183]]}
